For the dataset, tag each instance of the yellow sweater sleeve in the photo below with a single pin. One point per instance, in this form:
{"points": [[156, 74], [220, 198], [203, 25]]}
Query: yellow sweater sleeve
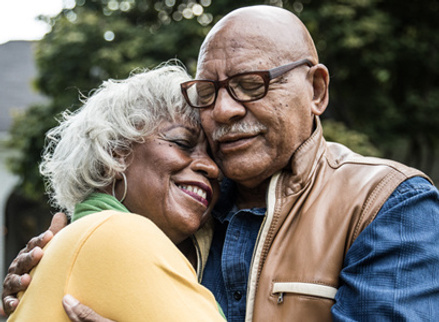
{"points": [[123, 267]]}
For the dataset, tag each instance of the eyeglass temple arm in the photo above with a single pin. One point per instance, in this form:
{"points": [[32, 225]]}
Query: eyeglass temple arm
{"points": [[277, 71]]}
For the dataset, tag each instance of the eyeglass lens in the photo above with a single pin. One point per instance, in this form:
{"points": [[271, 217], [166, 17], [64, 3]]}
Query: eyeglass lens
{"points": [[243, 88], [247, 87]]}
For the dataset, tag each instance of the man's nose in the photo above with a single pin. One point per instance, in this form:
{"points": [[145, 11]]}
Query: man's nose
{"points": [[226, 109]]}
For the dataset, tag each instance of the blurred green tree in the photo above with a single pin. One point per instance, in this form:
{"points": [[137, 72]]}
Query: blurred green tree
{"points": [[382, 55], [384, 62]]}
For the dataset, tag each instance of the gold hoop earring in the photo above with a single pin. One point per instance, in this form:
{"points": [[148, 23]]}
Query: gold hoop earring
{"points": [[125, 190]]}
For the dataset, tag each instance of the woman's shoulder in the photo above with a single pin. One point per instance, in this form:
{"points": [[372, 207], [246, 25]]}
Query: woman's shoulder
{"points": [[122, 231], [117, 224], [110, 218]]}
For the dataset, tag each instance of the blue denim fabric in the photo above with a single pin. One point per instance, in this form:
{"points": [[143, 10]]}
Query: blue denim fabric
{"points": [[391, 272], [235, 236]]}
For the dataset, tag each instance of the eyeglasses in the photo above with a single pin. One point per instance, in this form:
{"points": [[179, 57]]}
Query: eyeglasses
{"points": [[243, 87]]}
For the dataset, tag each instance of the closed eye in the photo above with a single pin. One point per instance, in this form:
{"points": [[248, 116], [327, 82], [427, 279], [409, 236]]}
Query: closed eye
{"points": [[186, 145]]}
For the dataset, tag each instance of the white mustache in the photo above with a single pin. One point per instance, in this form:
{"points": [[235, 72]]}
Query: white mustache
{"points": [[238, 128]]}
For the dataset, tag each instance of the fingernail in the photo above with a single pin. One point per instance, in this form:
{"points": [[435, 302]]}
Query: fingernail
{"points": [[70, 300], [41, 236], [11, 303]]}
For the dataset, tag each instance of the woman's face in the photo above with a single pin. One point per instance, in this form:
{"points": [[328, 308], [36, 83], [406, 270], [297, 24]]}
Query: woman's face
{"points": [[172, 180]]}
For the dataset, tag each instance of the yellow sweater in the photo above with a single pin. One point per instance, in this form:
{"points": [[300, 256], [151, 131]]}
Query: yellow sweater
{"points": [[121, 265]]}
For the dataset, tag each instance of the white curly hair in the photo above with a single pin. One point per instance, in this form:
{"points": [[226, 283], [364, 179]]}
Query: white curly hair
{"points": [[79, 156]]}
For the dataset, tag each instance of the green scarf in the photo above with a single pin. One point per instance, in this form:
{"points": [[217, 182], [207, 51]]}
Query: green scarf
{"points": [[97, 202]]}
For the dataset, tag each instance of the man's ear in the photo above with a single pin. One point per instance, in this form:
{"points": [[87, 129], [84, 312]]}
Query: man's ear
{"points": [[320, 82]]}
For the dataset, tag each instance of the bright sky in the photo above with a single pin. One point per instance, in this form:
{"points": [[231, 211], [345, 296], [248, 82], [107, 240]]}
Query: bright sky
{"points": [[18, 18]]}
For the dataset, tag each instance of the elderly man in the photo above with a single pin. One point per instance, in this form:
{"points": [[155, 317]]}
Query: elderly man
{"points": [[305, 230]]}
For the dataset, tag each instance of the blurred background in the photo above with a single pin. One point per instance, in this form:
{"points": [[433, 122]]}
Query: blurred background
{"points": [[383, 58]]}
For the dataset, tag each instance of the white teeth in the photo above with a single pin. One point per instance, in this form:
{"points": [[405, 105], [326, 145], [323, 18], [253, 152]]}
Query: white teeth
{"points": [[195, 190]]}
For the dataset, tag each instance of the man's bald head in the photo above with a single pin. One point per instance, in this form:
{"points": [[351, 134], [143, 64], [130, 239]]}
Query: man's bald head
{"points": [[272, 30]]}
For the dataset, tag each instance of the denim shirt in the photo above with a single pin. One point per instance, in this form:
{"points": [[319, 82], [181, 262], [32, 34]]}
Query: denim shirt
{"points": [[390, 272], [235, 236]]}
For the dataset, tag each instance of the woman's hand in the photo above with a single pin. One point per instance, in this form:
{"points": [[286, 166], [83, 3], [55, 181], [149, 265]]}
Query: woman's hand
{"points": [[18, 278], [78, 312]]}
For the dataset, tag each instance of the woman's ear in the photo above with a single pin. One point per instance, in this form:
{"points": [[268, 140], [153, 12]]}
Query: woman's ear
{"points": [[119, 176], [121, 159], [320, 83]]}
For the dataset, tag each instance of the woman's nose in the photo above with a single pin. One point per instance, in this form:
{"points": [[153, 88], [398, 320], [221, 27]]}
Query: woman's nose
{"points": [[203, 163]]}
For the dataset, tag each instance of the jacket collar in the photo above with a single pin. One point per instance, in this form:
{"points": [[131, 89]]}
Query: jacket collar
{"points": [[304, 160]]}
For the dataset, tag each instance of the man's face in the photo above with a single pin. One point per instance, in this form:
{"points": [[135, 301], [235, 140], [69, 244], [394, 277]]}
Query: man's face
{"points": [[251, 141]]}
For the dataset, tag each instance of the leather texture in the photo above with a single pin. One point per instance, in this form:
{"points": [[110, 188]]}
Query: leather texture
{"points": [[315, 211]]}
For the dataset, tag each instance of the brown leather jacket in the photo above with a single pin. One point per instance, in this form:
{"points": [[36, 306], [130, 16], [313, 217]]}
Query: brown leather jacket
{"points": [[315, 211]]}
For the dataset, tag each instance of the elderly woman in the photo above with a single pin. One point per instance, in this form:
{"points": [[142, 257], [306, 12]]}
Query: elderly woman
{"points": [[131, 165]]}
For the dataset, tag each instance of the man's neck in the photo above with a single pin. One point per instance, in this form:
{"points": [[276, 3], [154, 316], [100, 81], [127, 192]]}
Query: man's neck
{"points": [[252, 197]]}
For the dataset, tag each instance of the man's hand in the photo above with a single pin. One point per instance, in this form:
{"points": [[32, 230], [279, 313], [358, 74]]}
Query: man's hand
{"points": [[78, 312], [18, 278]]}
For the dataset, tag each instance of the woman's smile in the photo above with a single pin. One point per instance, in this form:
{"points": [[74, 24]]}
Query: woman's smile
{"points": [[198, 191]]}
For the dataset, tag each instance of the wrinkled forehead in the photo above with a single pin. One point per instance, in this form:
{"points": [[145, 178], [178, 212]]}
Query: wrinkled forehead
{"points": [[252, 42], [226, 53]]}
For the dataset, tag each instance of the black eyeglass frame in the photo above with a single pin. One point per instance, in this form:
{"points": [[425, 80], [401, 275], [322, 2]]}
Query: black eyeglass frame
{"points": [[266, 75]]}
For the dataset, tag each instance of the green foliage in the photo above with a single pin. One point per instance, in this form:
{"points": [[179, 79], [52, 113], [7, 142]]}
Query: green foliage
{"points": [[356, 141], [27, 135], [384, 62], [382, 56]]}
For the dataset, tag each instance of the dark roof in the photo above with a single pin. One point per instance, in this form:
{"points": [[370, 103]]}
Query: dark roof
{"points": [[17, 71]]}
